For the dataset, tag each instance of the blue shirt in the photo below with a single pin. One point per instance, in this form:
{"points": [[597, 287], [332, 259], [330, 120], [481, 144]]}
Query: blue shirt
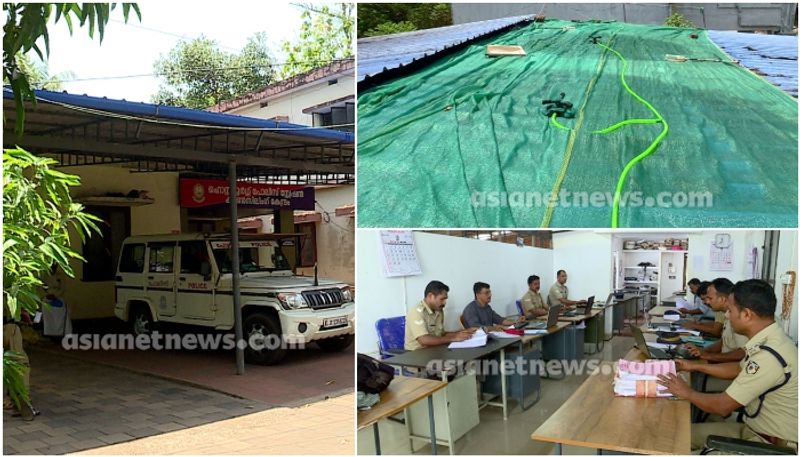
{"points": [[477, 316], [707, 311]]}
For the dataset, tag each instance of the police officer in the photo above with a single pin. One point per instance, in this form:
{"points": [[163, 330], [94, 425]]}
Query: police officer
{"points": [[764, 381], [559, 292], [533, 304], [425, 321], [730, 348]]}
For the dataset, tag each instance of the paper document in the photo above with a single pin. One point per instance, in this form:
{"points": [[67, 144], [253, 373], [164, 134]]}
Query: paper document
{"points": [[638, 379], [672, 317], [478, 340], [684, 330], [682, 303], [535, 331]]}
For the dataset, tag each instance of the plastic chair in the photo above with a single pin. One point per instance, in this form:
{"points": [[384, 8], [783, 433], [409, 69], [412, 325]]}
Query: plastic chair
{"points": [[519, 307], [391, 336], [461, 319]]}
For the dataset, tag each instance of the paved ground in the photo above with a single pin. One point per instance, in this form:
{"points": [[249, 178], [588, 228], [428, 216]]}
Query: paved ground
{"points": [[87, 405], [304, 376], [321, 428]]}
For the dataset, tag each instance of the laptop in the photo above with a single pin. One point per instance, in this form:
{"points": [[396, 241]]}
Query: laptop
{"points": [[552, 319], [587, 310], [650, 353]]}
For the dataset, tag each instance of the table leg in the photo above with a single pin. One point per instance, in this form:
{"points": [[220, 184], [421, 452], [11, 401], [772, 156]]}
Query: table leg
{"points": [[503, 382], [377, 435], [433, 425], [558, 449], [601, 330]]}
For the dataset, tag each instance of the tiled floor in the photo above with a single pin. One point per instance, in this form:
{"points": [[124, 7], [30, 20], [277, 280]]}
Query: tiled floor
{"points": [[494, 435], [325, 428], [87, 405]]}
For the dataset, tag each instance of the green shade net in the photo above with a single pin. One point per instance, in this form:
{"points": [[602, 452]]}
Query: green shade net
{"points": [[464, 141]]}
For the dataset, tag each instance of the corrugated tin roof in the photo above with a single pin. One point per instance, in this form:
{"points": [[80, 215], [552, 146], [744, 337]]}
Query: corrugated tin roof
{"points": [[773, 55], [377, 54], [185, 115]]}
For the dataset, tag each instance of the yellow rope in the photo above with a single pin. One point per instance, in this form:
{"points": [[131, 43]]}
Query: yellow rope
{"points": [[548, 214]]}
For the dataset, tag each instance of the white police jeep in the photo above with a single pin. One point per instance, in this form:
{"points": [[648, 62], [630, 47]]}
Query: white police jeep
{"points": [[187, 279]]}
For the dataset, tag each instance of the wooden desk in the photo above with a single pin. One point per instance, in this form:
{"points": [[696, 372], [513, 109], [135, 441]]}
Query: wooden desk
{"points": [[401, 393], [593, 417], [672, 300], [659, 310], [576, 318], [550, 330]]}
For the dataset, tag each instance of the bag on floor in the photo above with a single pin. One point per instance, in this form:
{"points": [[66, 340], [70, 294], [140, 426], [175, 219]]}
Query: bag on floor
{"points": [[373, 376]]}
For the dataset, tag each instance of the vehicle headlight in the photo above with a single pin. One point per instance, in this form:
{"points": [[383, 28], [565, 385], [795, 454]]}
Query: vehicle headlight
{"points": [[292, 301], [348, 294]]}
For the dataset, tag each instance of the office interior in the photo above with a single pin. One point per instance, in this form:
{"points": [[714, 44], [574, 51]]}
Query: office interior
{"points": [[470, 418]]}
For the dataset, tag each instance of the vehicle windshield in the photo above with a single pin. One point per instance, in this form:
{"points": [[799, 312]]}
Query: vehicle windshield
{"points": [[253, 256]]}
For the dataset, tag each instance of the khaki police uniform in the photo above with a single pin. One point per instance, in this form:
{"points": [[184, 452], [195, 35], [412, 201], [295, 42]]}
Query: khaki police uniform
{"points": [[557, 292], [730, 339], [531, 301], [776, 421], [421, 321], [730, 342]]}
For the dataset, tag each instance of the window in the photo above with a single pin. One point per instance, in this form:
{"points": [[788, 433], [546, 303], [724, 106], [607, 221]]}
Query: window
{"points": [[161, 257], [193, 255], [341, 115], [102, 251], [132, 259]]}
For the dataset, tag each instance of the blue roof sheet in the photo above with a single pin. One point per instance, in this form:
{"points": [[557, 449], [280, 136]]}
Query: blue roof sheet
{"points": [[773, 55], [186, 115], [377, 54]]}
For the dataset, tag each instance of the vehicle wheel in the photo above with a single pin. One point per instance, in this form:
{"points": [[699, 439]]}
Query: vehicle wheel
{"points": [[337, 343], [142, 321], [260, 332]]}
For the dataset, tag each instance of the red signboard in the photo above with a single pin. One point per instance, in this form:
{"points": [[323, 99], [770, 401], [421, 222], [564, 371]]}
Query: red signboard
{"points": [[198, 193]]}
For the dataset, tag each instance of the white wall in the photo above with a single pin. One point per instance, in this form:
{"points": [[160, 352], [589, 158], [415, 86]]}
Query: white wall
{"points": [[743, 242], [293, 103], [586, 257], [787, 261], [459, 263], [335, 235]]}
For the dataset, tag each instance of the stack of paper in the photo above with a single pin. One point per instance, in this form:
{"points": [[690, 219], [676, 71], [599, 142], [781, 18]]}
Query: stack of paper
{"points": [[638, 379], [672, 317], [536, 331], [682, 303], [478, 340]]}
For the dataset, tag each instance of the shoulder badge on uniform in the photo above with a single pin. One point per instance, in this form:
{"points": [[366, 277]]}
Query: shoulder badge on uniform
{"points": [[752, 367]]}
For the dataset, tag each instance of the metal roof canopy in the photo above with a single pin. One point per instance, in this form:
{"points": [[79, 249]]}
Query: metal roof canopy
{"points": [[84, 130]]}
